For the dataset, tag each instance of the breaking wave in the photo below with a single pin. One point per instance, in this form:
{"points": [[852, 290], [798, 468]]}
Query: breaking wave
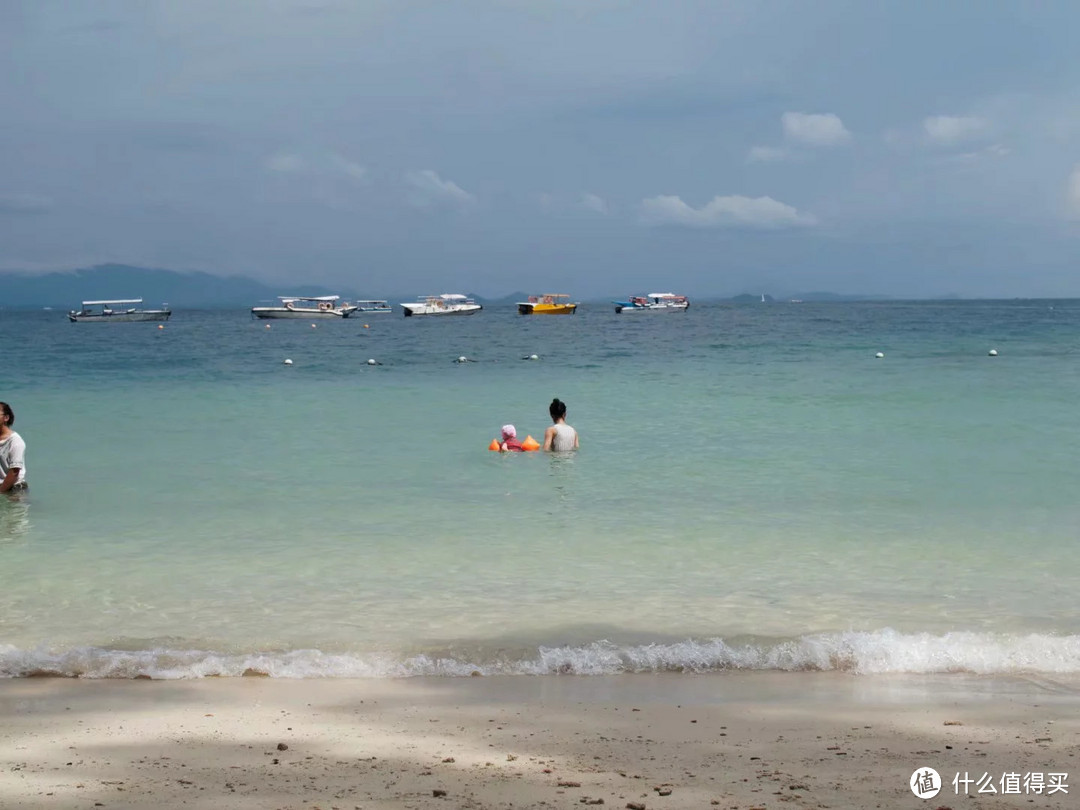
{"points": [[862, 653]]}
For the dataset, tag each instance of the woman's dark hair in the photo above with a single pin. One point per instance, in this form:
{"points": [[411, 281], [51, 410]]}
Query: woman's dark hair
{"points": [[557, 409], [10, 414]]}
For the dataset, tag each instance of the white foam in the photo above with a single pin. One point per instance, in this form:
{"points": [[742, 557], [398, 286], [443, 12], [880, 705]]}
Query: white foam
{"points": [[864, 653]]}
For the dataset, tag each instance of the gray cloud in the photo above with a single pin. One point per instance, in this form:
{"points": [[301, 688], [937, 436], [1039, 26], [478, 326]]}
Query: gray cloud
{"points": [[25, 204], [767, 154], [594, 203], [954, 129], [1072, 193], [286, 163], [426, 188]]}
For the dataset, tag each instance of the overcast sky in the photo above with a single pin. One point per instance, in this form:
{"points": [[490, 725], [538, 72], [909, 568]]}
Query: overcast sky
{"points": [[594, 147]]}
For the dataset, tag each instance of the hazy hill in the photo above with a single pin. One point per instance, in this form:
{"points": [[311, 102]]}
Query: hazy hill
{"points": [[64, 290], [198, 290]]}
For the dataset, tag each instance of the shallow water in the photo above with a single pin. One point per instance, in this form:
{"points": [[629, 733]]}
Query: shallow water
{"points": [[755, 489]]}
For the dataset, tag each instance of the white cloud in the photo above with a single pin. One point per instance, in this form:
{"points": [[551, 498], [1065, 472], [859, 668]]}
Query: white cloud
{"points": [[319, 164], [430, 189], [952, 129], [24, 204], [735, 210], [353, 170], [817, 129], [996, 150], [1072, 193], [286, 163], [767, 154], [591, 202]]}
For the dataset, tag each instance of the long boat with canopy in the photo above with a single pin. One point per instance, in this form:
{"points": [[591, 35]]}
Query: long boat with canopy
{"points": [[117, 310], [301, 306]]}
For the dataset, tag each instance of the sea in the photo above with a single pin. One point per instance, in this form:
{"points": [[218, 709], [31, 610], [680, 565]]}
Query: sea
{"points": [[852, 486]]}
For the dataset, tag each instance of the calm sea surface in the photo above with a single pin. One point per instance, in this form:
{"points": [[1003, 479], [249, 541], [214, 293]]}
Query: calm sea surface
{"points": [[754, 489]]}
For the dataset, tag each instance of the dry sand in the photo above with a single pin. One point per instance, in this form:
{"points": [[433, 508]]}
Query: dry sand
{"points": [[661, 742]]}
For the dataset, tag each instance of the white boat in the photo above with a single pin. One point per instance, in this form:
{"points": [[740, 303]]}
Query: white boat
{"points": [[117, 310], [445, 304], [373, 306], [654, 302], [300, 306]]}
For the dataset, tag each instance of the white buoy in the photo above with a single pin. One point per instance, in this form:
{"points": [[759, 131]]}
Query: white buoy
{"points": [[373, 362], [993, 352], [534, 357], [463, 359], [313, 326], [268, 326], [288, 362], [880, 354]]}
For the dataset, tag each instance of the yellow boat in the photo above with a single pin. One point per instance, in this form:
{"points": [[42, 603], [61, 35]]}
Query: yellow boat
{"points": [[549, 304]]}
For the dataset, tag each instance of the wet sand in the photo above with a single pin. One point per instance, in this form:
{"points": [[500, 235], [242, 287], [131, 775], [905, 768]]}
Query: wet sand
{"points": [[729, 740]]}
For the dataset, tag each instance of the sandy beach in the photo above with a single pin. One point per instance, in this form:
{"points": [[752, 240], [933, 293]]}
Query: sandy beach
{"points": [[730, 740]]}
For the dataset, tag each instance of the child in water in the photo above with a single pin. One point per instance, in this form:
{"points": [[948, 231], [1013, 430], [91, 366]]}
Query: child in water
{"points": [[509, 440]]}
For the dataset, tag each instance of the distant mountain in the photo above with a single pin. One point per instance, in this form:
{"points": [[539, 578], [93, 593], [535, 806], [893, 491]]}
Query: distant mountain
{"points": [[199, 290], [748, 298], [831, 296], [64, 290], [192, 290], [512, 298]]}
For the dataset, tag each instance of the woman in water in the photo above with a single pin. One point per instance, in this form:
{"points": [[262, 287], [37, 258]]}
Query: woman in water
{"points": [[560, 436]]}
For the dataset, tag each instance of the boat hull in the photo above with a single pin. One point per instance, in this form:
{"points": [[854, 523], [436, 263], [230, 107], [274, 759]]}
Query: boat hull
{"points": [[425, 309], [307, 314], [624, 307], [547, 309], [121, 317]]}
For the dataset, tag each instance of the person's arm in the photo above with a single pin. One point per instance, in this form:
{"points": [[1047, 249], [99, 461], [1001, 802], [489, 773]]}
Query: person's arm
{"points": [[549, 435], [576, 440], [10, 479]]}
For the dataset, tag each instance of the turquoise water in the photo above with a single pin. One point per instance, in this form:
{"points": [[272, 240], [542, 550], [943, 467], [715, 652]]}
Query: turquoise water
{"points": [[754, 489]]}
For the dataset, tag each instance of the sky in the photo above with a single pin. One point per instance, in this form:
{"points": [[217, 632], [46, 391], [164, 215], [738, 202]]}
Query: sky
{"points": [[594, 147]]}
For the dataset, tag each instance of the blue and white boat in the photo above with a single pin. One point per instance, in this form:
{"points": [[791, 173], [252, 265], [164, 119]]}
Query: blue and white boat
{"points": [[654, 302], [373, 306]]}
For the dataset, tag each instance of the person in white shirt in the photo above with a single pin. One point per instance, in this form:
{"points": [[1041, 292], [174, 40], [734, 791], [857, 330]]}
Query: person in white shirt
{"points": [[560, 436], [12, 453]]}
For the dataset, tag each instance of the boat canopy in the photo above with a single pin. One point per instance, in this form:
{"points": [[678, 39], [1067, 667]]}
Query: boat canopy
{"points": [[113, 301], [453, 297], [289, 299]]}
